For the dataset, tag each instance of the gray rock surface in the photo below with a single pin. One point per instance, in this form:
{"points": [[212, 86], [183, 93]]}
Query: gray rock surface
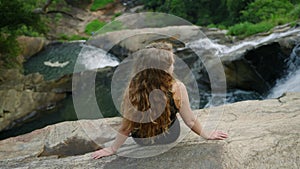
{"points": [[262, 134]]}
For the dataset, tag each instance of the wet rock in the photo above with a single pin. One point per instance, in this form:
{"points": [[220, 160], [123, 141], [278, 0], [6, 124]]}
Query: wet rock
{"points": [[217, 35]]}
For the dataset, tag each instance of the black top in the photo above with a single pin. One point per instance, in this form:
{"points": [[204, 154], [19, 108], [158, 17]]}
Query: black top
{"points": [[174, 110]]}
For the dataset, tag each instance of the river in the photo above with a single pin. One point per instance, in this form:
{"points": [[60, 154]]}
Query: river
{"points": [[59, 59]]}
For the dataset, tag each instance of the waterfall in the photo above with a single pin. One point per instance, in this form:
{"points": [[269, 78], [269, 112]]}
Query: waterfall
{"points": [[207, 48], [92, 57], [291, 81], [220, 50]]}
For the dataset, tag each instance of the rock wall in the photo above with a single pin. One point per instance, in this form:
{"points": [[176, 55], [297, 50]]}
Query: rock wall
{"points": [[262, 134], [22, 96]]}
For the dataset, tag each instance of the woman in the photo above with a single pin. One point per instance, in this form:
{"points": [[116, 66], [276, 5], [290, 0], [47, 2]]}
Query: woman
{"points": [[151, 102]]}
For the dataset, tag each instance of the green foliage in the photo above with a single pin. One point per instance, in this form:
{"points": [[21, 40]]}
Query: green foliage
{"points": [[117, 14], [94, 26], [8, 45], [65, 37], [100, 4], [27, 31], [14, 19], [295, 1], [155, 5], [295, 13], [216, 26], [58, 17], [246, 28], [177, 7], [280, 20], [17, 19], [234, 8], [200, 12], [261, 10], [113, 26], [243, 17]]}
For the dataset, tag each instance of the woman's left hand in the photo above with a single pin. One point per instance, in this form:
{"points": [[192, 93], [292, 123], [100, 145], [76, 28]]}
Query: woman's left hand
{"points": [[103, 153]]}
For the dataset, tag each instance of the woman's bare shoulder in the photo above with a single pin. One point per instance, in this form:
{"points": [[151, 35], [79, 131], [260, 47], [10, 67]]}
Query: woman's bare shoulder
{"points": [[177, 92], [178, 86]]}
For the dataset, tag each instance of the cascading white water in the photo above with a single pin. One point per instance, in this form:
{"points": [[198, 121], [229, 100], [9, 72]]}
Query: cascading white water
{"points": [[220, 50], [290, 82], [92, 58]]}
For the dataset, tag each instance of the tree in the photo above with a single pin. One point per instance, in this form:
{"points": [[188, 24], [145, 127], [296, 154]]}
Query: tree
{"points": [[261, 10], [16, 16], [234, 8]]}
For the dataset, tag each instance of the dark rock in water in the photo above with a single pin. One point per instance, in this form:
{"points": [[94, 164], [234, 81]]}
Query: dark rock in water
{"points": [[268, 61], [241, 75], [256, 69]]}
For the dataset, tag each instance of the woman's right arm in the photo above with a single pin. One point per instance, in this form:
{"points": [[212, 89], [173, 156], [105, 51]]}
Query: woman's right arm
{"points": [[121, 137], [190, 119]]}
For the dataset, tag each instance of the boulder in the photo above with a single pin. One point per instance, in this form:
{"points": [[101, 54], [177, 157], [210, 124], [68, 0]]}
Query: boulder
{"points": [[31, 45], [262, 134], [123, 42]]}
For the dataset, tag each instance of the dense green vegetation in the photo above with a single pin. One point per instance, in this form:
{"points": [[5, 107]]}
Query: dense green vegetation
{"points": [[14, 23], [64, 37], [241, 17], [100, 4], [93, 26]]}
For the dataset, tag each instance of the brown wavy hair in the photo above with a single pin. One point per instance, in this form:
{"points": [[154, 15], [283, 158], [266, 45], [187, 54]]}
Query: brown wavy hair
{"points": [[146, 102]]}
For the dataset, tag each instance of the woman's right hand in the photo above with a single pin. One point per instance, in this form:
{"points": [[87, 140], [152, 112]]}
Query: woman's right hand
{"points": [[217, 135], [103, 153]]}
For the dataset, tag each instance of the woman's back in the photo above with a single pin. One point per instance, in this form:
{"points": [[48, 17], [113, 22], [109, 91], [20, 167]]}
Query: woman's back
{"points": [[150, 106]]}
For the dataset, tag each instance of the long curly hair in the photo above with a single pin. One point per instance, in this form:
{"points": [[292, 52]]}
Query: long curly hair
{"points": [[146, 102]]}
